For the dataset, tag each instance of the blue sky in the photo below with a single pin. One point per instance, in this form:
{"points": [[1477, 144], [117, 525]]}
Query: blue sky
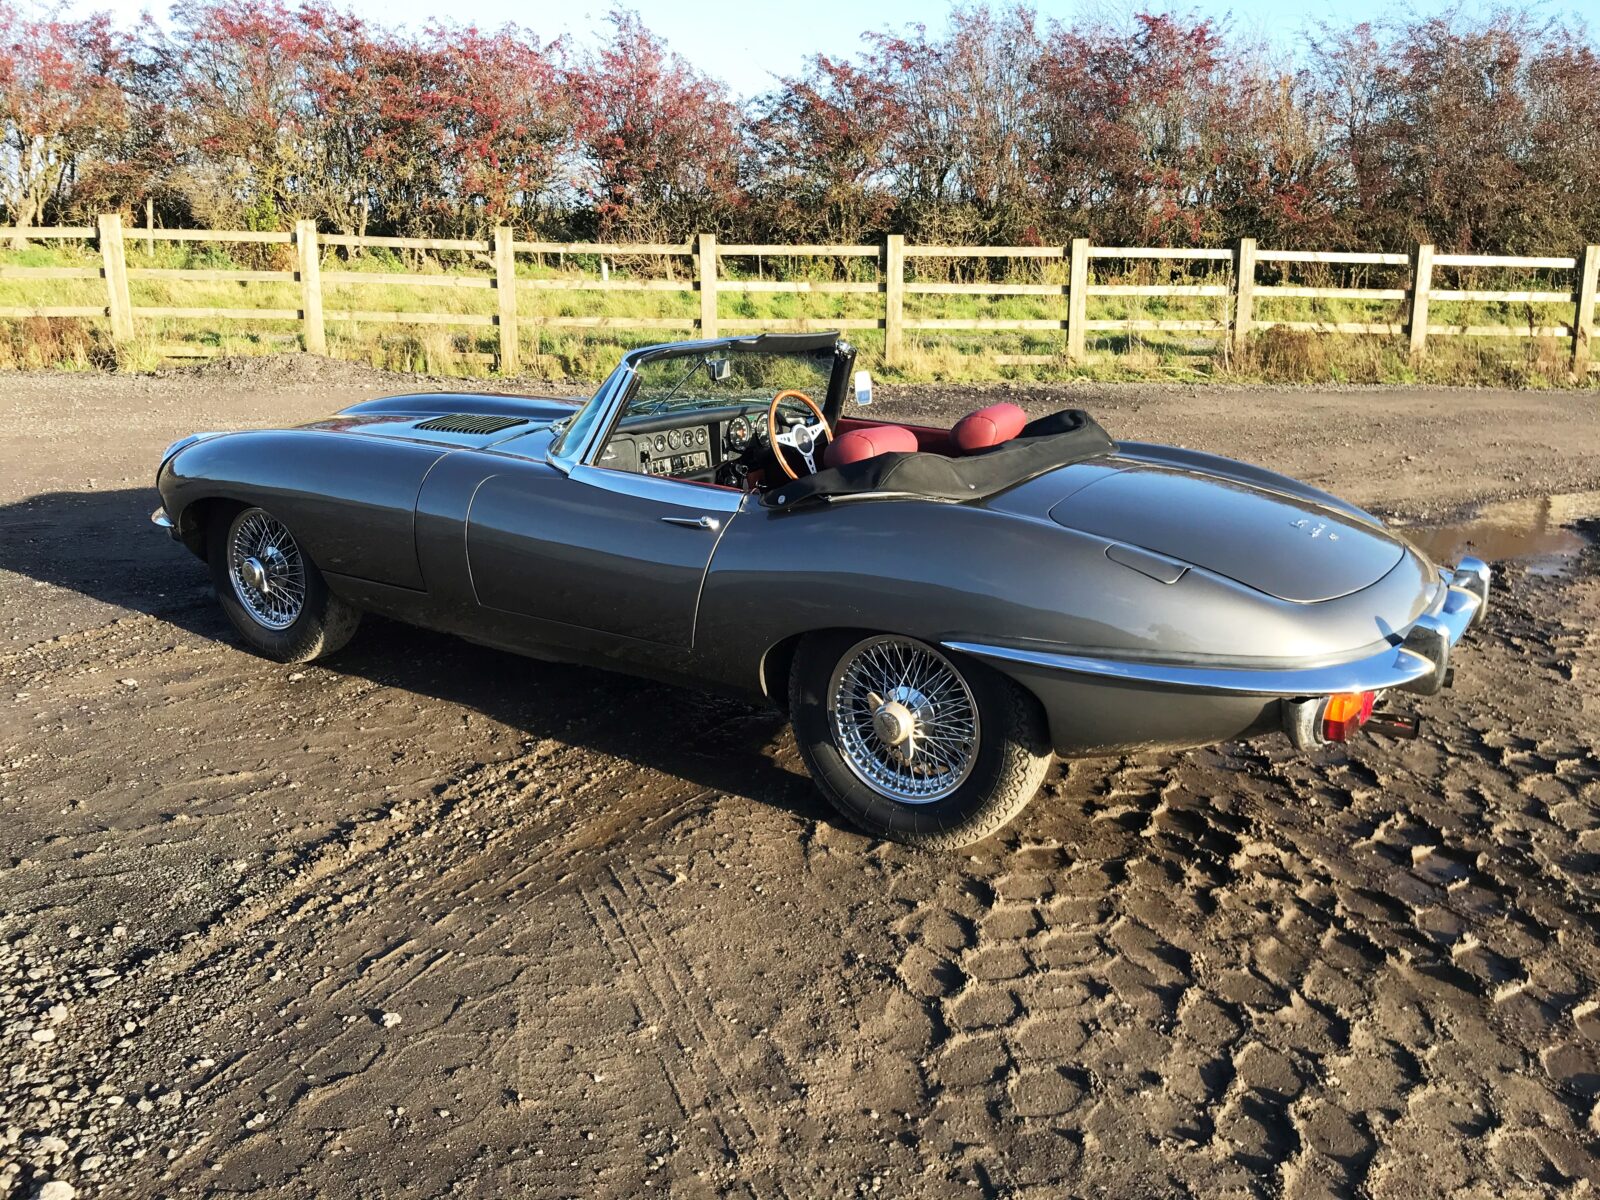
{"points": [[746, 43]]}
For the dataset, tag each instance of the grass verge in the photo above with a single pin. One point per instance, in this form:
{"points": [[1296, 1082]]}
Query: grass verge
{"points": [[375, 281]]}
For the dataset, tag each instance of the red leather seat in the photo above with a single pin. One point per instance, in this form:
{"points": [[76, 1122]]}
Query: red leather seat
{"points": [[869, 442], [988, 427]]}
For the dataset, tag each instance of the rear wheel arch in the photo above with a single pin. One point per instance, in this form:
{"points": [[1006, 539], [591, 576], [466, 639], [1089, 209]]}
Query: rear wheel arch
{"points": [[1011, 754], [778, 661]]}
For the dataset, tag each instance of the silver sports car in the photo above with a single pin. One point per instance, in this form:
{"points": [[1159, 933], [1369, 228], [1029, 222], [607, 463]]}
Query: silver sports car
{"points": [[938, 610]]}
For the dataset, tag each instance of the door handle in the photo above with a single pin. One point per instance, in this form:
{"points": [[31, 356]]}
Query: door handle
{"points": [[710, 523]]}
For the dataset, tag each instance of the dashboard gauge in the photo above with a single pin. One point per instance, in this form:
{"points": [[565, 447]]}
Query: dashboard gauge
{"points": [[739, 431], [700, 436], [674, 440], [661, 443]]}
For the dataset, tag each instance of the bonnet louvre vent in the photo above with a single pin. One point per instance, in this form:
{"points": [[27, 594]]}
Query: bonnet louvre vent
{"points": [[470, 423]]}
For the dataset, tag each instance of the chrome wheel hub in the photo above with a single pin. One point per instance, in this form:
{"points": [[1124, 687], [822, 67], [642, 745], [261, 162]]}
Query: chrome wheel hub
{"points": [[893, 722], [266, 569], [254, 574], [903, 719]]}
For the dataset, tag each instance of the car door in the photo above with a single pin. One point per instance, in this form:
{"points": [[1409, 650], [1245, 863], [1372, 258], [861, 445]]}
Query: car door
{"points": [[595, 549]]}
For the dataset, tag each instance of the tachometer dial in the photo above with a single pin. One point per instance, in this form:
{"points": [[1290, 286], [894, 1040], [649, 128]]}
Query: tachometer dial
{"points": [[739, 431]]}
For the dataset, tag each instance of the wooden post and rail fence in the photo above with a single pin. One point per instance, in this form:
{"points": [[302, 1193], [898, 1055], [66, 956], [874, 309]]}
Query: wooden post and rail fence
{"points": [[1242, 299]]}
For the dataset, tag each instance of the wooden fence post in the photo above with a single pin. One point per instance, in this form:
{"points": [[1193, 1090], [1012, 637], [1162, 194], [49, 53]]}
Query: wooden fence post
{"points": [[1244, 290], [305, 238], [1583, 320], [1077, 299], [1421, 285], [505, 286], [894, 299], [119, 306], [706, 261]]}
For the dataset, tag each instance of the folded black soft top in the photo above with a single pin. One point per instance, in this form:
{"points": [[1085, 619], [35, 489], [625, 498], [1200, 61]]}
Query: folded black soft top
{"points": [[1068, 436]]}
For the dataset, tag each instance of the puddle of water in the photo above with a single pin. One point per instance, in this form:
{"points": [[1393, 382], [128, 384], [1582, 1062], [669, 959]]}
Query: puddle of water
{"points": [[1540, 531]]}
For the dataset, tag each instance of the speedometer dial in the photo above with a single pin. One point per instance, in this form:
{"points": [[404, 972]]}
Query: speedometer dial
{"points": [[739, 431]]}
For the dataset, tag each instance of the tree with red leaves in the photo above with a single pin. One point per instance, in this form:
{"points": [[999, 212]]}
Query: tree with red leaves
{"points": [[963, 155], [499, 109], [996, 126], [239, 71], [822, 154], [660, 142], [63, 89], [1130, 126]]}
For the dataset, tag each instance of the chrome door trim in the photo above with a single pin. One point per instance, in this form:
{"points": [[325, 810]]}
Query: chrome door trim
{"points": [[708, 523]]}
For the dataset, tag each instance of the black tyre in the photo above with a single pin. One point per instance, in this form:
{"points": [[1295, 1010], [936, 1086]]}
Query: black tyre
{"points": [[272, 591], [913, 745]]}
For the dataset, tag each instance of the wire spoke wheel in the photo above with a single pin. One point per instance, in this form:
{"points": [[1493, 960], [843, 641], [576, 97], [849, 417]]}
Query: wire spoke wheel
{"points": [[903, 719], [267, 569]]}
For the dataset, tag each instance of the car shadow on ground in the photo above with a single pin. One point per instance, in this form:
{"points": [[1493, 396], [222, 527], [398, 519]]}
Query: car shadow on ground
{"points": [[713, 742], [101, 545]]}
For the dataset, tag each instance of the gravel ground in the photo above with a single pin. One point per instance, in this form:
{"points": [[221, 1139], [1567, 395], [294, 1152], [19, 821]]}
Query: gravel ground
{"points": [[430, 920]]}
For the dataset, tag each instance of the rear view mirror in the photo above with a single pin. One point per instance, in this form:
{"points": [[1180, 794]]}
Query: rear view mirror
{"points": [[719, 368], [863, 388]]}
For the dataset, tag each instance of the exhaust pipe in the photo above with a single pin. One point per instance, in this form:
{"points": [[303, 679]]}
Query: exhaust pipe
{"points": [[1394, 725]]}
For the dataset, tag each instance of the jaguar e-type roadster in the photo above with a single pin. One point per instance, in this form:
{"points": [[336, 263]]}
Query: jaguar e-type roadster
{"points": [[938, 610]]}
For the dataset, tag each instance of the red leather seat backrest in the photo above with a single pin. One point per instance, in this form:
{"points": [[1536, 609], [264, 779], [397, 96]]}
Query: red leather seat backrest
{"points": [[988, 427], [868, 442]]}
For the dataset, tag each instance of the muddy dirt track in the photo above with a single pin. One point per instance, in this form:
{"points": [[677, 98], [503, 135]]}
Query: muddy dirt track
{"points": [[428, 920]]}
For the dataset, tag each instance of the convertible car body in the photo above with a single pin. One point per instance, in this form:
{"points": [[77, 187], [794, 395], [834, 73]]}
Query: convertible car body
{"points": [[939, 610]]}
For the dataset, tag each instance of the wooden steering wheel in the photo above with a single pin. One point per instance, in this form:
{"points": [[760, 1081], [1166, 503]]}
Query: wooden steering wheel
{"points": [[804, 440]]}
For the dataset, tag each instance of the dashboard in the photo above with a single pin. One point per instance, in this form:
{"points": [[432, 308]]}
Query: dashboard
{"points": [[676, 452], [690, 445]]}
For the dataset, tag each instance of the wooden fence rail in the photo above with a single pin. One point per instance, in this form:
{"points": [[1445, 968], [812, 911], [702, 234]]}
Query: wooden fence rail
{"points": [[1241, 301]]}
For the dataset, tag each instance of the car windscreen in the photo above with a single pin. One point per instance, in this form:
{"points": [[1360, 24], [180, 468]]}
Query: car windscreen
{"points": [[728, 376], [575, 429]]}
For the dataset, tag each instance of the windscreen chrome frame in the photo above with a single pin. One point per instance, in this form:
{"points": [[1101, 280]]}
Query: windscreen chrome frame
{"points": [[613, 393], [615, 384]]}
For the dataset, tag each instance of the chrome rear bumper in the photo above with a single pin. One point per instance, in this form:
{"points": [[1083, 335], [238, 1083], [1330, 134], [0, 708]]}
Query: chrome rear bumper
{"points": [[1420, 663]]}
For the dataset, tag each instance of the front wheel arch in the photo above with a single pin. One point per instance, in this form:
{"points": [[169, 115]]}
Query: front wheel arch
{"points": [[195, 521], [324, 622]]}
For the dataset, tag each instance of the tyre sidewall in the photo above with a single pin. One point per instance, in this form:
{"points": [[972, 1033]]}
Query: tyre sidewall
{"points": [[302, 639], [1012, 731]]}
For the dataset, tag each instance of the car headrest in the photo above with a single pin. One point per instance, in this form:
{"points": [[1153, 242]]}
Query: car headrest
{"points": [[869, 442], [988, 427]]}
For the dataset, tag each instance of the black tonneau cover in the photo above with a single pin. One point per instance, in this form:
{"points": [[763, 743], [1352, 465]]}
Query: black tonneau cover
{"points": [[1068, 436]]}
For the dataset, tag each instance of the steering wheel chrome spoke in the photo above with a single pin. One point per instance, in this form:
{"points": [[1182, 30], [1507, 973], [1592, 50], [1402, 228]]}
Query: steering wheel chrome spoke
{"points": [[805, 439]]}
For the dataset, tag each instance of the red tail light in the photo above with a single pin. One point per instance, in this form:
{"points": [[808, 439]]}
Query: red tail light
{"points": [[1346, 713]]}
